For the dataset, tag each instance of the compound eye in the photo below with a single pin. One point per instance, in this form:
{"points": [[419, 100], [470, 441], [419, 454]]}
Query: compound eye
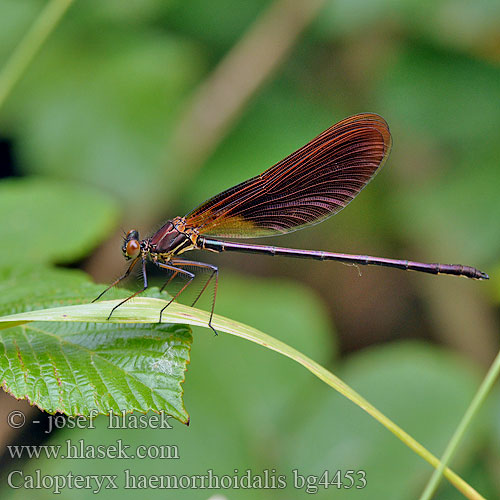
{"points": [[133, 248]]}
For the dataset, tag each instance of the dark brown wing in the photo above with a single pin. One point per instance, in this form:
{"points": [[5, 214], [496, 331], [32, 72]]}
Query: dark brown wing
{"points": [[305, 188]]}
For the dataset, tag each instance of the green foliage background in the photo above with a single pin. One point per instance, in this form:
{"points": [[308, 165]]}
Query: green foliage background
{"points": [[90, 125]]}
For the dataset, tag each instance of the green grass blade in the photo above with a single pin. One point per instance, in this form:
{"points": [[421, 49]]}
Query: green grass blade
{"points": [[30, 45], [472, 410]]}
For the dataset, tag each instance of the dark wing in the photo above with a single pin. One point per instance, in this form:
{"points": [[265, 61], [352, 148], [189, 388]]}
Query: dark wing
{"points": [[305, 188]]}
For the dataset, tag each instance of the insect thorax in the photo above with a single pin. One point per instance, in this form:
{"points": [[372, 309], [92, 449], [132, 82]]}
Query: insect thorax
{"points": [[172, 239]]}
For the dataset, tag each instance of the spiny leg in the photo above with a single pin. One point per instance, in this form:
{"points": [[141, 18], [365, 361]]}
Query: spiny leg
{"points": [[127, 272], [177, 271], [168, 281], [136, 293], [215, 272]]}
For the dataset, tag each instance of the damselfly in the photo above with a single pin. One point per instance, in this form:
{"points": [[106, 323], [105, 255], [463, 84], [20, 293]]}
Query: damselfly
{"points": [[305, 188]]}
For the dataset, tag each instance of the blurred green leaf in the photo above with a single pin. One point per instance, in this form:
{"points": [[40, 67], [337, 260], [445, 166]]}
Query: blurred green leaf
{"points": [[218, 23], [291, 310], [52, 221], [134, 12], [204, 445], [97, 106], [495, 419], [442, 95], [341, 17], [458, 213], [461, 24], [443, 102]]}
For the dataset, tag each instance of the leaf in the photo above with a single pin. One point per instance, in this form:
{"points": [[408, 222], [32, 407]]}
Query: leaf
{"points": [[462, 25], [463, 207], [453, 183], [80, 368], [26, 288], [97, 104], [217, 24], [417, 93], [65, 221]]}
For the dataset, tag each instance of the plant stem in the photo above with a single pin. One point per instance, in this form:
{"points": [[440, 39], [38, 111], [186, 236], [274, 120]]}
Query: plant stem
{"points": [[31, 43], [473, 408]]}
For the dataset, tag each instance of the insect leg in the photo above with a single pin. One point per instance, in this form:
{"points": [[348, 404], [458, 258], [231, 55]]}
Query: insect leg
{"points": [[214, 272], [145, 277], [168, 281], [127, 272], [177, 271]]}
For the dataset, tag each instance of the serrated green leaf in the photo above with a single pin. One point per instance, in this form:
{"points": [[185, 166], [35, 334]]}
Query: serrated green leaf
{"points": [[52, 221], [83, 367], [79, 368]]}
